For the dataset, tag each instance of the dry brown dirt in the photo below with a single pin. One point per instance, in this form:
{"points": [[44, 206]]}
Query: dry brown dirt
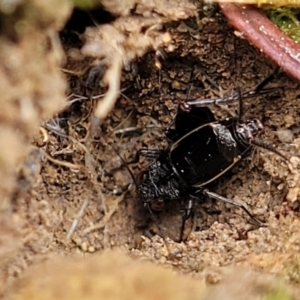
{"points": [[71, 195]]}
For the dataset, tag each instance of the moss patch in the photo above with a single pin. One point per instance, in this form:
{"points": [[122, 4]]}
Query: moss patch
{"points": [[287, 19]]}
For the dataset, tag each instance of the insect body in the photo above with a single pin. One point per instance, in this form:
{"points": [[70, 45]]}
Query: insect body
{"points": [[210, 150], [201, 150]]}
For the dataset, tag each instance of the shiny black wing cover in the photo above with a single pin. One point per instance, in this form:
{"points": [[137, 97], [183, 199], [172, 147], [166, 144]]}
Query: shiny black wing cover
{"points": [[204, 154]]}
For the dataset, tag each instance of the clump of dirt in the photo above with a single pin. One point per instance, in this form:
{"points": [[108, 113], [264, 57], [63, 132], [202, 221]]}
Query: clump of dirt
{"points": [[94, 277], [31, 82], [73, 193], [100, 280], [32, 88]]}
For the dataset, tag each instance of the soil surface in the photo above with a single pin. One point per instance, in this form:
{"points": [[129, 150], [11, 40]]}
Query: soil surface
{"points": [[75, 196]]}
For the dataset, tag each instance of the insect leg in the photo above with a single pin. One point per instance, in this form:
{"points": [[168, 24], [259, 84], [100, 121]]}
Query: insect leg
{"points": [[149, 153], [229, 201], [223, 100], [260, 89], [186, 216]]}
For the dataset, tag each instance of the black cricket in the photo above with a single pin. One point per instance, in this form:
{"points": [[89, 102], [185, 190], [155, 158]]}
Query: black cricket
{"points": [[201, 149]]}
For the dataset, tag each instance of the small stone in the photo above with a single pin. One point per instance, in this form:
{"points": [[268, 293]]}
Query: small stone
{"points": [[84, 246], [285, 135], [91, 249], [292, 194], [289, 120]]}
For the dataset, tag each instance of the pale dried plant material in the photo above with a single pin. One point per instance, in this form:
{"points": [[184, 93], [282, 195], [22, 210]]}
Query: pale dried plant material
{"points": [[112, 78], [263, 2], [31, 83], [122, 41], [118, 7]]}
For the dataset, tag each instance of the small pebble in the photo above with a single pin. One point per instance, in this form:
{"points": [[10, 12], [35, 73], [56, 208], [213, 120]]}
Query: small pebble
{"points": [[285, 135]]}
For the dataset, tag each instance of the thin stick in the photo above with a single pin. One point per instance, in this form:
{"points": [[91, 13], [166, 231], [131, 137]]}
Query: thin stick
{"points": [[105, 219], [76, 219], [63, 163]]}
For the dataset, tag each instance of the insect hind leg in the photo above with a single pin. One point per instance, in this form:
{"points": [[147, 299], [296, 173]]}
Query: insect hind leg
{"points": [[259, 89], [231, 202]]}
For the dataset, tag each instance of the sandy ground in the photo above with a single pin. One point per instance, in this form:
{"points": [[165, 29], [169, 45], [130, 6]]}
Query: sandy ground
{"points": [[74, 198]]}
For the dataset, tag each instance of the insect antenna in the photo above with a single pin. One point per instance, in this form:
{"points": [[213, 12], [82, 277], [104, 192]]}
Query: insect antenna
{"points": [[263, 145], [257, 143], [126, 166], [241, 105], [261, 85]]}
